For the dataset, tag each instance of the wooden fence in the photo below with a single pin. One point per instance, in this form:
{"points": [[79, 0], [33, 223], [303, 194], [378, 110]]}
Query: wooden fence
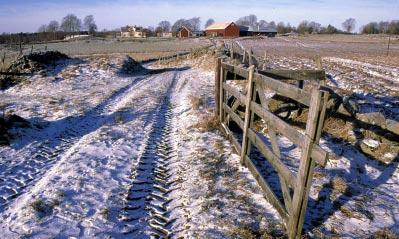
{"points": [[294, 186], [338, 103]]}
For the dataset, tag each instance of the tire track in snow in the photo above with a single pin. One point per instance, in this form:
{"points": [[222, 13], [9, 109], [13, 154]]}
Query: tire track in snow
{"points": [[27, 166], [146, 211]]}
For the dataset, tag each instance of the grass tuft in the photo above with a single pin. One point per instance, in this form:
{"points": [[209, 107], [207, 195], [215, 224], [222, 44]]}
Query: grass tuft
{"points": [[339, 185], [208, 123], [385, 233], [196, 102]]}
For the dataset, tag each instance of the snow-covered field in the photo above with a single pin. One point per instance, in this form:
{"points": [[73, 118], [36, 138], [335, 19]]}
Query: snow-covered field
{"points": [[122, 156], [95, 163]]}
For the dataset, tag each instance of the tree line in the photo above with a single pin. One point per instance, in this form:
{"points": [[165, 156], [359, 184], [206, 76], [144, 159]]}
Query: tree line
{"points": [[385, 27], [71, 23], [252, 21]]}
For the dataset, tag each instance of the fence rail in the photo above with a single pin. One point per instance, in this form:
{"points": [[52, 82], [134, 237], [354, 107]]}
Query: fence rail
{"points": [[294, 186], [338, 103]]}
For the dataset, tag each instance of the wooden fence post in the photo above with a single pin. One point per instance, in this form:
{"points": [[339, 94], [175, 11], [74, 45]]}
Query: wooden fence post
{"points": [[232, 51], [248, 119], [217, 85], [222, 79], [264, 61], [319, 66], [306, 167], [250, 60]]}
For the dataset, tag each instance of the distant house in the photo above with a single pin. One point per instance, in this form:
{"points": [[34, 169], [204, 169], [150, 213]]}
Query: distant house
{"points": [[165, 34], [250, 31], [223, 29], [133, 32], [183, 32]]}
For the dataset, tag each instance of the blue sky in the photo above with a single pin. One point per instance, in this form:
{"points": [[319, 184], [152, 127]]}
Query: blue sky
{"points": [[28, 15]]}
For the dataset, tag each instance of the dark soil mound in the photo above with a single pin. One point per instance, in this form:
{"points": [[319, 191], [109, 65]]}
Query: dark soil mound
{"points": [[9, 122], [29, 64], [131, 66]]}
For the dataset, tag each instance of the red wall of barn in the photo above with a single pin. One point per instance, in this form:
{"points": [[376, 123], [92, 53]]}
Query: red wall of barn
{"points": [[183, 33], [230, 31]]}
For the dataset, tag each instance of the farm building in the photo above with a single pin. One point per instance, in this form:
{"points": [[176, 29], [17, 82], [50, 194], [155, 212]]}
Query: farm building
{"points": [[250, 31], [268, 31], [223, 29], [198, 33], [165, 34], [183, 32], [135, 32]]}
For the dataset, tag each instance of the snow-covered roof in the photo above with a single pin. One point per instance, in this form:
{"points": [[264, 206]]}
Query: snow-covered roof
{"points": [[219, 25]]}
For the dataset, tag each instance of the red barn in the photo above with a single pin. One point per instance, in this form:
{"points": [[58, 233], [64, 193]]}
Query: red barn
{"points": [[183, 32], [223, 29]]}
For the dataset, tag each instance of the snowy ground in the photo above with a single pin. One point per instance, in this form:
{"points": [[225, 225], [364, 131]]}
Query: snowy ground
{"points": [[112, 155]]}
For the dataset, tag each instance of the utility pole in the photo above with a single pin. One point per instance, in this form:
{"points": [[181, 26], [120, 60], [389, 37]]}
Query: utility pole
{"points": [[389, 42]]}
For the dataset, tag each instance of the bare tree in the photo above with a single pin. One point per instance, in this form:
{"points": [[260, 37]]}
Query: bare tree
{"points": [[349, 24], [383, 26], [314, 27], [394, 27], [89, 24], [194, 24], [71, 23], [281, 28], [262, 24], [303, 27], [250, 20], [42, 28], [53, 26], [164, 26], [209, 22], [178, 24]]}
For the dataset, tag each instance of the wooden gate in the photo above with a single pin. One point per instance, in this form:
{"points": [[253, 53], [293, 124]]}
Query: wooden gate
{"points": [[294, 186]]}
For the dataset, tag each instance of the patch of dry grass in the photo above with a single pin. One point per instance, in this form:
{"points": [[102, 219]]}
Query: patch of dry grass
{"points": [[207, 123], [339, 185], [385, 233], [196, 102]]}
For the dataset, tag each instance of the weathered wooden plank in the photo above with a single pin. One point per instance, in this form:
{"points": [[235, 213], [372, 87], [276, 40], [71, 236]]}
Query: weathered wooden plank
{"points": [[282, 74], [306, 167], [231, 137], [235, 92], [270, 196], [283, 89], [317, 115], [280, 87], [217, 85], [325, 96], [250, 57], [234, 116], [319, 154], [247, 112], [235, 69], [224, 95], [319, 65], [276, 150], [272, 158]]}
